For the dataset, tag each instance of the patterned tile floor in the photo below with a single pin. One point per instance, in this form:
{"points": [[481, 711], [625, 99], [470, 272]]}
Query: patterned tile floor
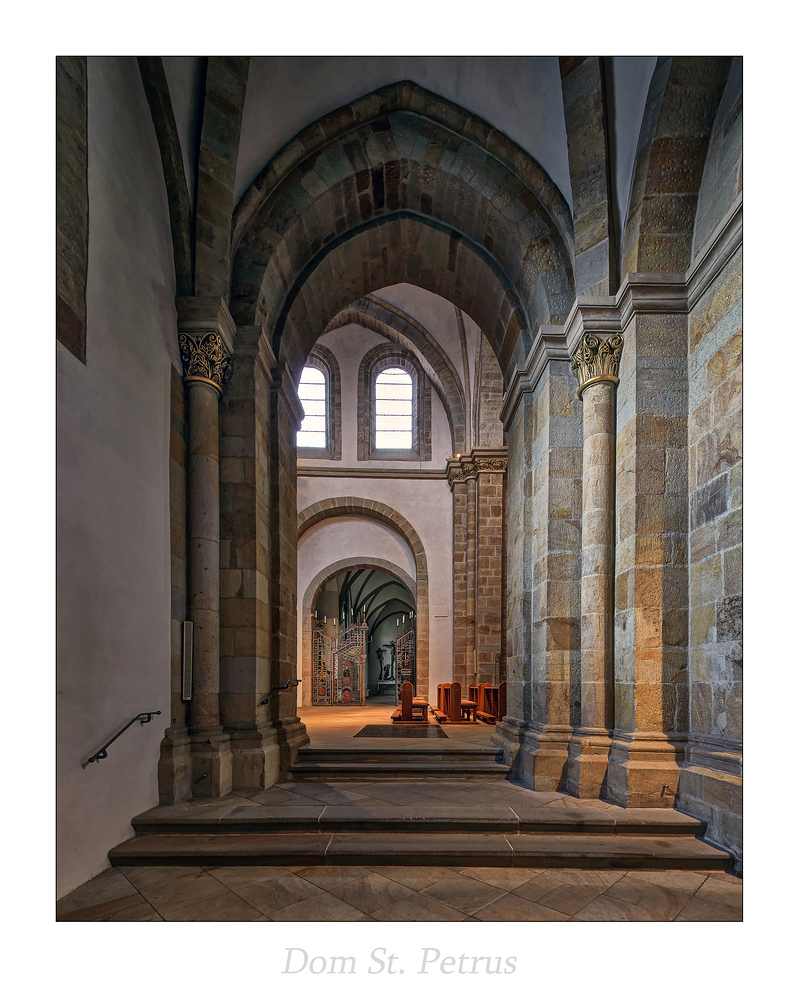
{"points": [[296, 893]]}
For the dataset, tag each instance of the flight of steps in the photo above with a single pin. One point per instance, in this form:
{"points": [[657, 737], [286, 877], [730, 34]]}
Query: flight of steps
{"points": [[485, 832], [399, 764]]}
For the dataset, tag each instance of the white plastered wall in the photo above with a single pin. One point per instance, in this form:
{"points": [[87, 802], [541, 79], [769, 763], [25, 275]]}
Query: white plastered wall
{"points": [[112, 414]]}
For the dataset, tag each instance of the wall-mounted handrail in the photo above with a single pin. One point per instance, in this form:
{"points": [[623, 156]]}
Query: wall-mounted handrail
{"points": [[282, 687], [102, 753]]}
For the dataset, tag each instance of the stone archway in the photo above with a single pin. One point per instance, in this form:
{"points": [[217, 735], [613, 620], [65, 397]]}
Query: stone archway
{"points": [[475, 220], [314, 588], [358, 507]]}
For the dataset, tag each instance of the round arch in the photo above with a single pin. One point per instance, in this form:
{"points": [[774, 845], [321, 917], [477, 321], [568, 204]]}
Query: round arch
{"points": [[315, 587], [683, 99], [431, 194], [374, 509]]}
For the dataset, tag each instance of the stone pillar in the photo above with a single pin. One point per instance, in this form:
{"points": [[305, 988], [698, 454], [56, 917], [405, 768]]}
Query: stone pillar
{"points": [[460, 664], [651, 649], [206, 363], [489, 588], [245, 615], [477, 484], [596, 365], [541, 413], [471, 567], [286, 415]]}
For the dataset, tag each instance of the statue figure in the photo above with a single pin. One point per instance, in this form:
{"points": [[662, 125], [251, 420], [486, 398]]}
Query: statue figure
{"points": [[381, 672]]}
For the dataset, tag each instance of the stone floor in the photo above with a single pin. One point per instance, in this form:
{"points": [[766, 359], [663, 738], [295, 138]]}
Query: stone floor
{"points": [[333, 728], [381, 893], [296, 893]]}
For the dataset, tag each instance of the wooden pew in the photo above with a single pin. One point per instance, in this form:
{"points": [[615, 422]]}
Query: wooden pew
{"points": [[410, 709]]}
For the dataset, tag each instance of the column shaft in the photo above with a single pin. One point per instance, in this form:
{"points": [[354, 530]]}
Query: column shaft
{"points": [[596, 365], [596, 591], [471, 559], [203, 531]]}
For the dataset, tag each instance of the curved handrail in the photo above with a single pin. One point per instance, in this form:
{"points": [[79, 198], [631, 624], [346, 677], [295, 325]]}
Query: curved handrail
{"points": [[102, 753], [282, 687]]}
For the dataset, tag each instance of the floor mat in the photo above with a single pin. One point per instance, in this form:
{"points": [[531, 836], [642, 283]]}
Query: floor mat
{"points": [[404, 732]]}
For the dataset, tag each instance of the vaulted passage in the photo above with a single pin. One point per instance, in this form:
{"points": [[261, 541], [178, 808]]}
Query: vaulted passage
{"points": [[414, 419]]}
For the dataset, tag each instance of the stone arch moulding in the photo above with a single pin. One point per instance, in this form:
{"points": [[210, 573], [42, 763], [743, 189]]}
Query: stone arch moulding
{"points": [[313, 590], [431, 194], [359, 507], [683, 99]]}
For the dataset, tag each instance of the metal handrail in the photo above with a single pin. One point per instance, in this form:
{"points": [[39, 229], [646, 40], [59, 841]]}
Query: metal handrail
{"points": [[282, 687], [102, 753]]}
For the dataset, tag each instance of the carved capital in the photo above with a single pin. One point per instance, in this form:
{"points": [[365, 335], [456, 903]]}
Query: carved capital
{"points": [[491, 464], [205, 358], [458, 472], [597, 360]]}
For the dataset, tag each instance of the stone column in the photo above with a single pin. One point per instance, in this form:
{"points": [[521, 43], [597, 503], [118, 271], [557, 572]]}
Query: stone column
{"points": [[544, 432], [245, 616], [477, 484], [596, 365], [460, 666], [206, 364], [286, 416], [489, 589], [471, 568]]}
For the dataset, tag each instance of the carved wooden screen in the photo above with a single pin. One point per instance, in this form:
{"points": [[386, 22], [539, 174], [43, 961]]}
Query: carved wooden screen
{"points": [[339, 667], [321, 669], [406, 660]]}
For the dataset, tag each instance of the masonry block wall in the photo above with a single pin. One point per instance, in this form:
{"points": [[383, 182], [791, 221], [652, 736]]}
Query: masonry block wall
{"points": [[710, 783], [711, 777]]}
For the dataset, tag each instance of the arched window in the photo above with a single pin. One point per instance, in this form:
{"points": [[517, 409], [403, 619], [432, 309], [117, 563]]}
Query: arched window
{"points": [[319, 391], [393, 406], [313, 396], [393, 410]]}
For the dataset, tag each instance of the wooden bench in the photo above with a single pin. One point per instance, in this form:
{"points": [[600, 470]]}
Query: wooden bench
{"points": [[492, 702], [410, 709], [451, 708]]}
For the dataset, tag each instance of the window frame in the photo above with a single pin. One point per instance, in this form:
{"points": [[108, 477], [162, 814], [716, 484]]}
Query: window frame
{"points": [[323, 360], [373, 364]]}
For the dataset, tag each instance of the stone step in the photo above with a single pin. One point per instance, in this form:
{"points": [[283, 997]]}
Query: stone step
{"points": [[386, 769], [418, 818], [441, 849], [399, 754]]}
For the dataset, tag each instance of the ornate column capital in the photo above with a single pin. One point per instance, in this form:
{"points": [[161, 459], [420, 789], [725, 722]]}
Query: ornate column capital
{"points": [[491, 464], [459, 470], [205, 358], [463, 467], [597, 360]]}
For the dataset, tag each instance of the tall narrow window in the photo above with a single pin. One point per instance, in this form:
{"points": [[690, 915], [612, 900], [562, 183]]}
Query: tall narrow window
{"points": [[393, 409], [313, 396]]}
